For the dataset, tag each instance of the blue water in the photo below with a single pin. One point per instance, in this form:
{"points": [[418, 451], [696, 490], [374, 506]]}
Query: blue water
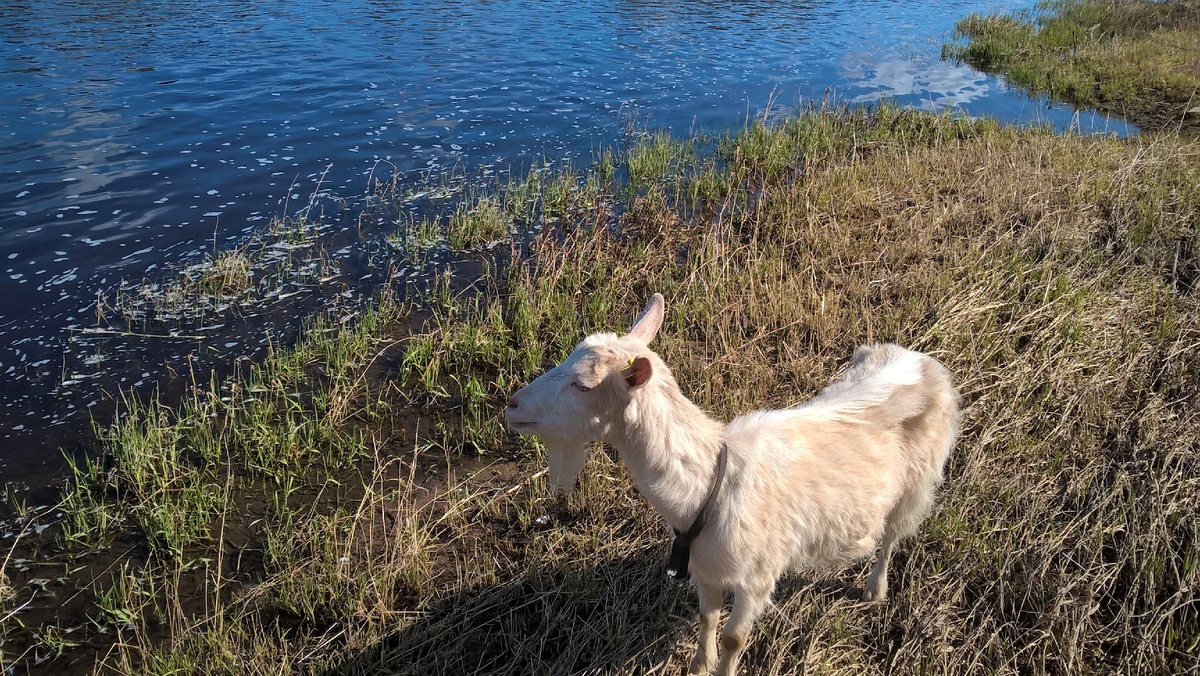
{"points": [[135, 135]]}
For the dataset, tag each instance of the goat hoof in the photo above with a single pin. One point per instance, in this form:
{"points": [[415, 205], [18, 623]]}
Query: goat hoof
{"points": [[870, 595], [699, 666]]}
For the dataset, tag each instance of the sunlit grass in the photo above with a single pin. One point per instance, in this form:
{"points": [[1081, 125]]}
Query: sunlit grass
{"points": [[355, 504], [477, 225], [1138, 58]]}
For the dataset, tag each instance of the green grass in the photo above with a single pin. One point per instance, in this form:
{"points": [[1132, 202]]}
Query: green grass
{"points": [[355, 504], [416, 236], [1135, 58], [165, 470], [477, 225], [656, 157]]}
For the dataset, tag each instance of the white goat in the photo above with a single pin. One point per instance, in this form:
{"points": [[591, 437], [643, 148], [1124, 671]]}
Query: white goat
{"points": [[809, 487]]}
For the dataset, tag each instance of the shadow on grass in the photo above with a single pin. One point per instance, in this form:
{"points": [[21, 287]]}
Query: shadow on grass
{"points": [[622, 616]]}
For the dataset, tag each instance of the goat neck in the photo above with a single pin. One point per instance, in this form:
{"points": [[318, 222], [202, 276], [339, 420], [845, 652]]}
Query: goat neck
{"points": [[670, 447]]}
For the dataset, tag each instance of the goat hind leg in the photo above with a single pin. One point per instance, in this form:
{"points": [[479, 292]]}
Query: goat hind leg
{"points": [[876, 587]]}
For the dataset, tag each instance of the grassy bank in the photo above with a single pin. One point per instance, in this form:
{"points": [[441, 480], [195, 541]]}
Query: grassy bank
{"points": [[1139, 59], [355, 505]]}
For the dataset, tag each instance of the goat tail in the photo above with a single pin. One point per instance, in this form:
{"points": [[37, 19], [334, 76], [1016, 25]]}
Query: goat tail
{"points": [[920, 387]]}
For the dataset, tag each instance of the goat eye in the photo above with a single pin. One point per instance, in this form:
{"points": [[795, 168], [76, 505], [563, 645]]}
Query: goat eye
{"points": [[579, 387]]}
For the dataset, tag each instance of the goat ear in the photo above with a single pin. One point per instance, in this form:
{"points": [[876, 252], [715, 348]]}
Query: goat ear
{"points": [[647, 325], [638, 372]]}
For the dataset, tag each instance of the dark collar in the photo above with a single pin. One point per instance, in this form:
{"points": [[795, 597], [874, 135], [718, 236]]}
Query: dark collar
{"points": [[677, 565]]}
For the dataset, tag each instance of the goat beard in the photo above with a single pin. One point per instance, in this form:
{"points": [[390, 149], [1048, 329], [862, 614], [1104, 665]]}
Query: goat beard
{"points": [[567, 459]]}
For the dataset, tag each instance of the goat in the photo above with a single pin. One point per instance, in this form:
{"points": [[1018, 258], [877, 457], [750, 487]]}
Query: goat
{"points": [[810, 487]]}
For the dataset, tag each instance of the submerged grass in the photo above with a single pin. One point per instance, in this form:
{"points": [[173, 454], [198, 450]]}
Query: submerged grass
{"points": [[1135, 58], [280, 262], [401, 529]]}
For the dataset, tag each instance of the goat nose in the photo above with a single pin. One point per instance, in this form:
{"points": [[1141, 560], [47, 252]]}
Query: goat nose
{"points": [[512, 402]]}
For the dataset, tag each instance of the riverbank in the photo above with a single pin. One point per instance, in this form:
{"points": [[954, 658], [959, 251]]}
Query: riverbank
{"points": [[1139, 59], [354, 504]]}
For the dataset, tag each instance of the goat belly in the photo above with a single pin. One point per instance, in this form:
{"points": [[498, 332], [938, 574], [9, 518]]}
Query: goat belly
{"points": [[829, 554]]}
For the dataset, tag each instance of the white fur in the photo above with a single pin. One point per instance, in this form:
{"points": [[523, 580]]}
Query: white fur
{"points": [[810, 487]]}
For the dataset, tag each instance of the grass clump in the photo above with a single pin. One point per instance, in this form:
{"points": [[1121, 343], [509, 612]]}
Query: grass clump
{"points": [[1135, 58], [1056, 276], [656, 157], [416, 237], [481, 224], [229, 273]]}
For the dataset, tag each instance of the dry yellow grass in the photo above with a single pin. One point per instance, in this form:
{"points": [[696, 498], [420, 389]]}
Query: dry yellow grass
{"points": [[1057, 277]]}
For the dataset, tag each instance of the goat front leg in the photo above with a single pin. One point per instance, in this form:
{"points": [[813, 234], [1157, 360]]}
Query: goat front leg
{"points": [[711, 600], [747, 604], [876, 587]]}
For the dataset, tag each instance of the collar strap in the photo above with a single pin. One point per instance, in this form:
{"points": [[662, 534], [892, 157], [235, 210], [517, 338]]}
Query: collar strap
{"points": [[677, 565]]}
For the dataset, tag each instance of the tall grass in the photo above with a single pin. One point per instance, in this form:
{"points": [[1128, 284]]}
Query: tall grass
{"points": [[372, 515], [1135, 58]]}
